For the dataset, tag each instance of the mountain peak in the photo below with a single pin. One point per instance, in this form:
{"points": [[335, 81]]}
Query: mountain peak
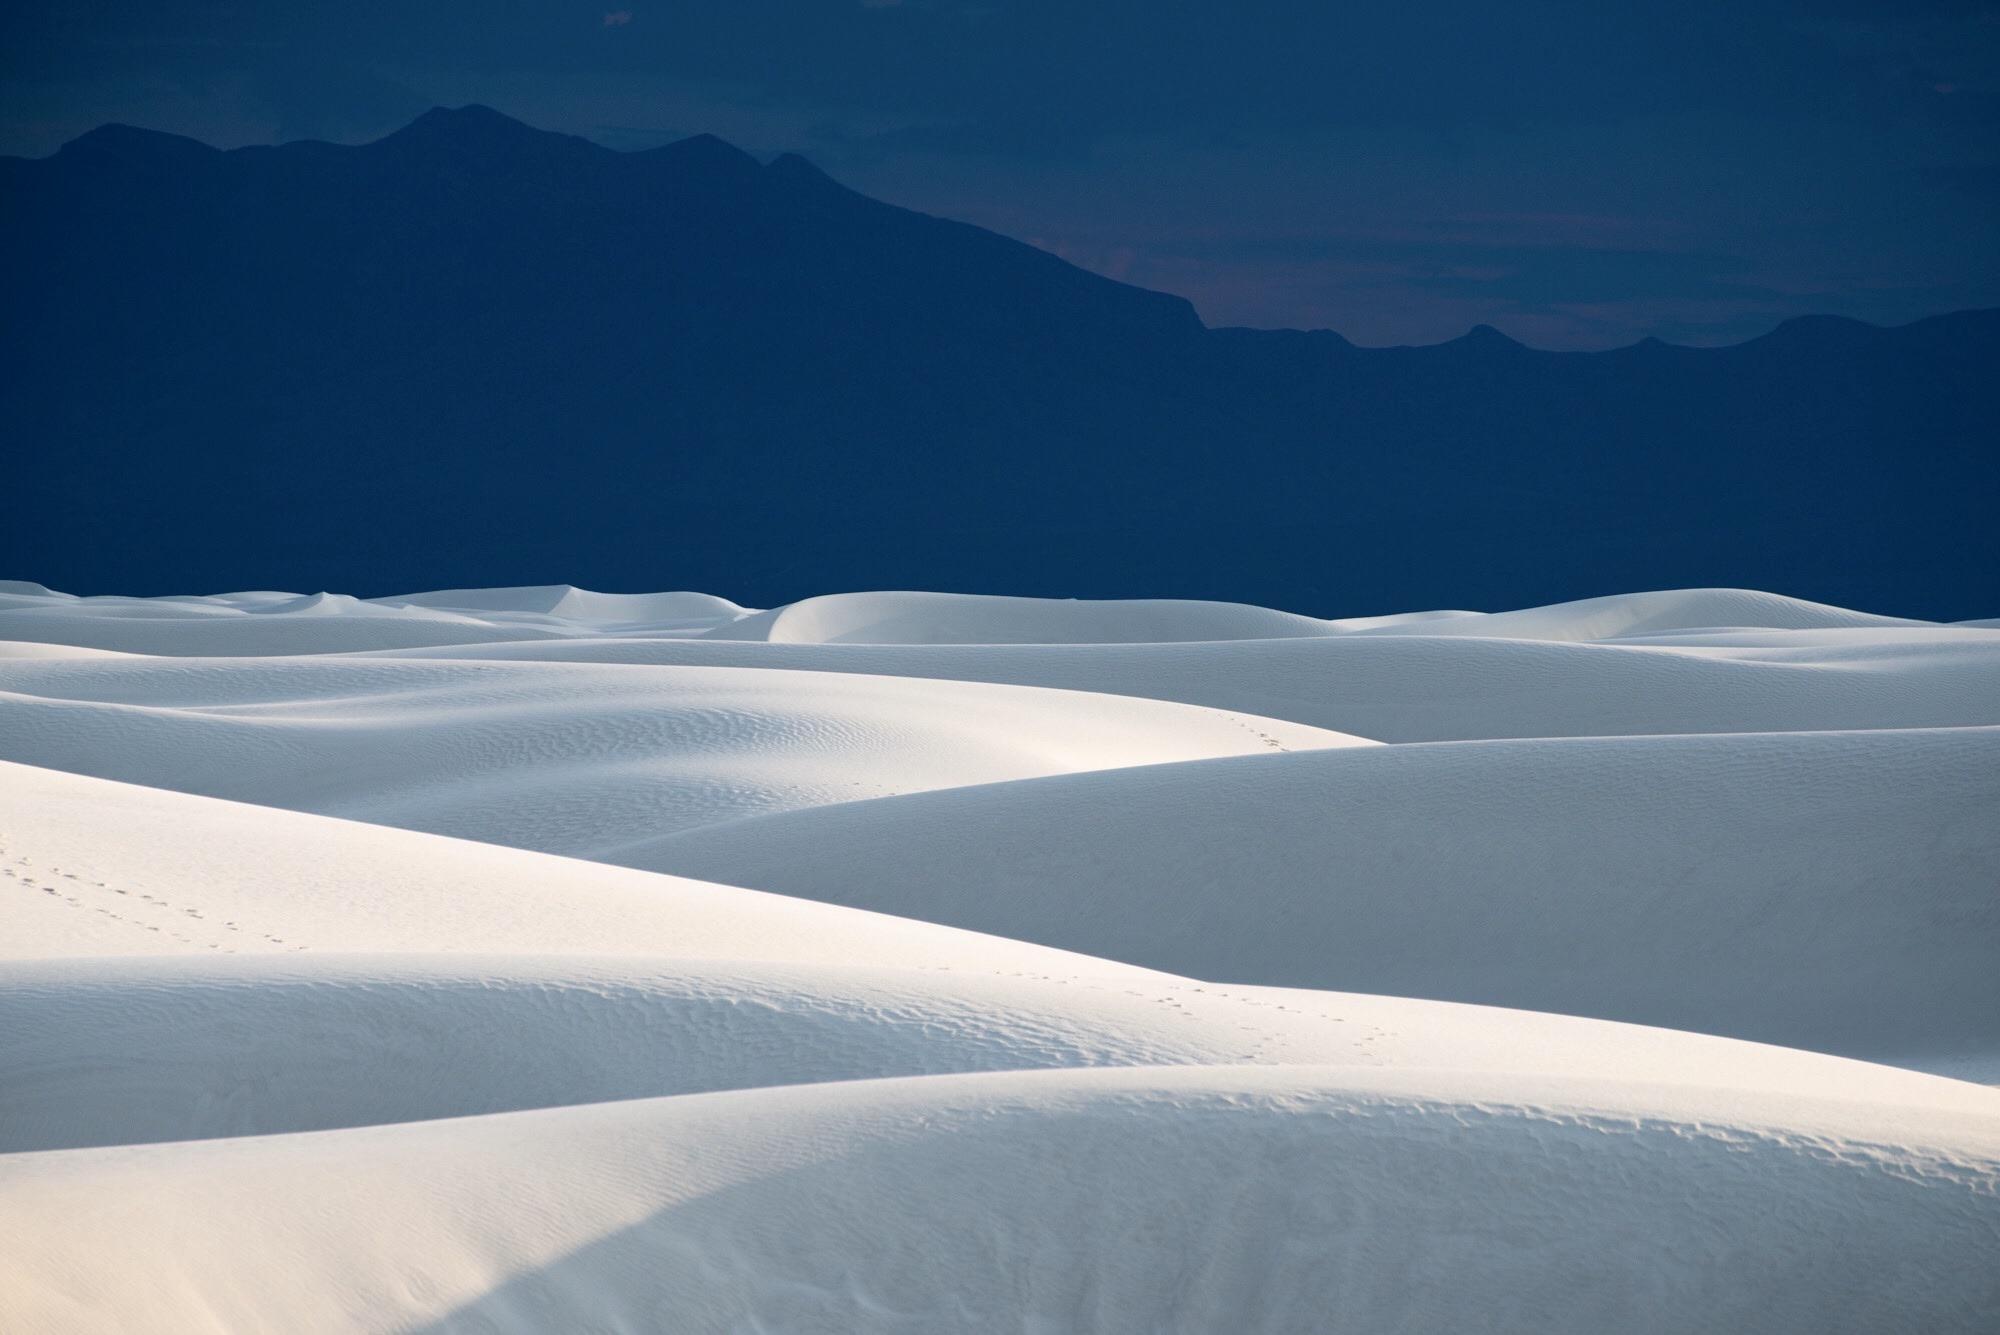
{"points": [[473, 116], [130, 141], [1486, 336], [468, 127], [703, 151], [792, 167], [713, 144]]}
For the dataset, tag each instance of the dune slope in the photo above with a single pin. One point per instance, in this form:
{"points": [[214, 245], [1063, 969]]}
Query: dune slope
{"points": [[579, 759], [1833, 890]]}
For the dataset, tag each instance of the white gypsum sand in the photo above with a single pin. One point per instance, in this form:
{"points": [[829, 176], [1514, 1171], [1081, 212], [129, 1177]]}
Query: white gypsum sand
{"points": [[918, 962]]}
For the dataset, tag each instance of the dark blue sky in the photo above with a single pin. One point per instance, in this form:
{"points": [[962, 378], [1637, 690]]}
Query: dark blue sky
{"points": [[1579, 175]]}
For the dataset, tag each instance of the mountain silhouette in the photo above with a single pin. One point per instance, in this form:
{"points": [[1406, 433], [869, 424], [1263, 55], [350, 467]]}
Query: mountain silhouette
{"points": [[474, 352]]}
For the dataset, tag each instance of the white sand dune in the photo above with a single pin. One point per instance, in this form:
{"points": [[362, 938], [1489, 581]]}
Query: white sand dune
{"points": [[1102, 969], [1414, 688], [93, 869], [1665, 612], [946, 618], [31, 649], [579, 759], [283, 624], [558, 605], [950, 618], [128, 1021], [109, 1052], [1833, 890], [1292, 1198]]}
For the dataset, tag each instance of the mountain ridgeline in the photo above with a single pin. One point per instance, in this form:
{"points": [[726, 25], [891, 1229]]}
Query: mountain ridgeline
{"points": [[475, 353]]}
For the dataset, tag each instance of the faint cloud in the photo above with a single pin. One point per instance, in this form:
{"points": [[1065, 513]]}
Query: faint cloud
{"points": [[618, 18]]}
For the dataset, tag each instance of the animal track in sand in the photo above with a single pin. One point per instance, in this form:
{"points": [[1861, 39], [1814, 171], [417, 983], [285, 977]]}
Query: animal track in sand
{"points": [[1262, 736], [174, 916]]}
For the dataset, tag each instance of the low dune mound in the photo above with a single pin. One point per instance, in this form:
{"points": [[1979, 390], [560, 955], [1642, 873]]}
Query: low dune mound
{"points": [[569, 603], [1668, 611], [954, 618], [326, 605], [34, 649], [245, 624], [1136, 1200], [27, 588]]}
